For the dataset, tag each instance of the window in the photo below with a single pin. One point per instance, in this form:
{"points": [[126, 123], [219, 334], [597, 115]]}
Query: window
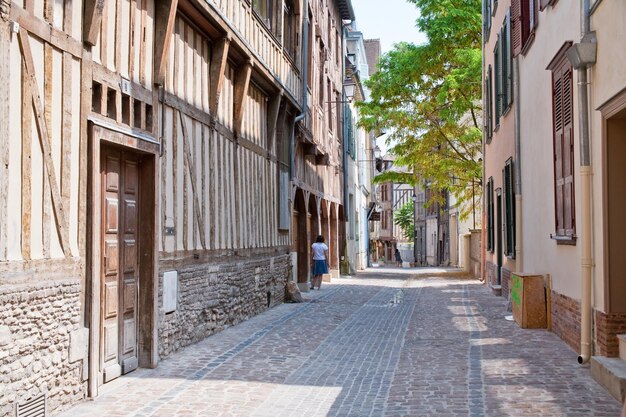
{"points": [[509, 209], [563, 135], [265, 11], [309, 79], [289, 28], [523, 21], [503, 79], [331, 107], [283, 177], [490, 219]]}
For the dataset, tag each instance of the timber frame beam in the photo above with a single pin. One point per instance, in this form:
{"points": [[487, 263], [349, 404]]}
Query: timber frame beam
{"points": [[272, 119], [44, 141], [218, 72], [242, 82], [93, 18], [165, 16]]}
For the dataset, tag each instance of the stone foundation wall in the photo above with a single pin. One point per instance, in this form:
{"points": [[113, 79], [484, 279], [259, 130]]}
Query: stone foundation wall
{"points": [[36, 324], [212, 297], [566, 319], [608, 326]]}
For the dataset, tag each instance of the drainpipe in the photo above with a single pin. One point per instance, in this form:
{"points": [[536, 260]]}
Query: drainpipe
{"points": [[518, 167], [585, 179], [305, 70]]}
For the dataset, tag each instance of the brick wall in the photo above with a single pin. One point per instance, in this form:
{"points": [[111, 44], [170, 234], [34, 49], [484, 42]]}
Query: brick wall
{"points": [[608, 326], [212, 297], [36, 321], [566, 319], [506, 282], [491, 274]]}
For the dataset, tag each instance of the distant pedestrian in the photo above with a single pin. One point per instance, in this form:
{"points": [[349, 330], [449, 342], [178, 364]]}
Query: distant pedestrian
{"points": [[320, 267], [398, 258]]}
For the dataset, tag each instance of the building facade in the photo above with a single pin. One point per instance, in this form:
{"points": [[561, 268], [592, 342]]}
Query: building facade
{"points": [[154, 161], [554, 116]]}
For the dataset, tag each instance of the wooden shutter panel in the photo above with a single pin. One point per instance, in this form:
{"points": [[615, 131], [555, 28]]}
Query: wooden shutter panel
{"points": [[557, 100], [544, 4], [564, 150], [516, 26], [506, 59], [568, 152]]}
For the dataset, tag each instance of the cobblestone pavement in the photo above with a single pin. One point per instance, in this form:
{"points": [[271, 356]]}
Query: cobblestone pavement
{"points": [[388, 343]]}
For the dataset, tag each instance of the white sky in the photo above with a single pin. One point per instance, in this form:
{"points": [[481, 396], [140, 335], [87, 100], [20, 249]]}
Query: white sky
{"points": [[390, 21]]}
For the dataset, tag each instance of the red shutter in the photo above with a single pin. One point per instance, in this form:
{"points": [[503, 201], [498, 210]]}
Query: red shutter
{"points": [[568, 151], [516, 26], [557, 97], [564, 150]]}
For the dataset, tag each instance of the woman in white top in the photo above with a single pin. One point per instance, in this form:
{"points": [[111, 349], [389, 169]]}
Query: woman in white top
{"points": [[319, 262]]}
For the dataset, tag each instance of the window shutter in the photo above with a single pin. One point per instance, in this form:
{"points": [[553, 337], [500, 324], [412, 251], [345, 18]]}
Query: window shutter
{"points": [[563, 149], [498, 79], [489, 103], [516, 26], [544, 4], [509, 208], [568, 152], [508, 80]]}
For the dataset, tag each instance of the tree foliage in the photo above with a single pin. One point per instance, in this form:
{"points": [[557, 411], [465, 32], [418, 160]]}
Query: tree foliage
{"points": [[428, 96], [404, 217]]}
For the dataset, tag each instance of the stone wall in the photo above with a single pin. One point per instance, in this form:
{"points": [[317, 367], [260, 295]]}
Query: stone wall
{"points": [[565, 313], [36, 321], [608, 326], [212, 297]]}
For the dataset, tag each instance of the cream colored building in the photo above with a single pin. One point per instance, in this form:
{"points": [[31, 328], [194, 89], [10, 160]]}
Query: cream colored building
{"points": [[568, 196]]}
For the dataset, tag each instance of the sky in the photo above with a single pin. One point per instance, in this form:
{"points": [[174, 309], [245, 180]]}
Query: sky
{"points": [[391, 21]]}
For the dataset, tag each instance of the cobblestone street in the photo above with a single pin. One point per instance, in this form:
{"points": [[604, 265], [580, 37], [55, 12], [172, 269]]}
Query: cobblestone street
{"points": [[388, 343]]}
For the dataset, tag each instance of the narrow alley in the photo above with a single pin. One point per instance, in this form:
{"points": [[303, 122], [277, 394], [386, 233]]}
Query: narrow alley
{"points": [[391, 342]]}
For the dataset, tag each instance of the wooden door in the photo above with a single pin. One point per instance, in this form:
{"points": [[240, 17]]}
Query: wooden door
{"points": [[120, 271]]}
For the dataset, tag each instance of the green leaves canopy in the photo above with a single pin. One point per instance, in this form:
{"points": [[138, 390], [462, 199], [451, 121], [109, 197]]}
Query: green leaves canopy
{"points": [[403, 217], [428, 97]]}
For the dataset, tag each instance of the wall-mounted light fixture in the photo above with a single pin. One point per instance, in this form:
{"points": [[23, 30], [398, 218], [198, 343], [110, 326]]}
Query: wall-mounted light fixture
{"points": [[349, 87]]}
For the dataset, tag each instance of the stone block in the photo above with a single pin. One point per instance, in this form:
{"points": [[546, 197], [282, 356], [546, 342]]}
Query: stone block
{"points": [[326, 277], [293, 293], [611, 374], [79, 344]]}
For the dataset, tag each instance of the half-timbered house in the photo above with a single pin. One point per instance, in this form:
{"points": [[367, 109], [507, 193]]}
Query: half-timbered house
{"points": [[151, 155]]}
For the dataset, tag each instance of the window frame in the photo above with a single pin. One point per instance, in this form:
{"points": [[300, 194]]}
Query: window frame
{"points": [[563, 141], [509, 208]]}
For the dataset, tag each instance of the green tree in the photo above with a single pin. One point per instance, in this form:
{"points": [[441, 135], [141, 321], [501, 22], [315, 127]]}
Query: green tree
{"points": [[403, 217], [428, 97]]}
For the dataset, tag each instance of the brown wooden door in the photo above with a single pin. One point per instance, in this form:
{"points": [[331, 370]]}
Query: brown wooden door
{"points": [[120, 272]]}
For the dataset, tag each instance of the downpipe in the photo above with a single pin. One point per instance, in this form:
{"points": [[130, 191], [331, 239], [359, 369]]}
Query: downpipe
{"points": [[585, 177], [518, 168]]}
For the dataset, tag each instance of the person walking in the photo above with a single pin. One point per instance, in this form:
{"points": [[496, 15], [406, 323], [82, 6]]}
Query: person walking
{"points": [[320, 266], [398, 258]]}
